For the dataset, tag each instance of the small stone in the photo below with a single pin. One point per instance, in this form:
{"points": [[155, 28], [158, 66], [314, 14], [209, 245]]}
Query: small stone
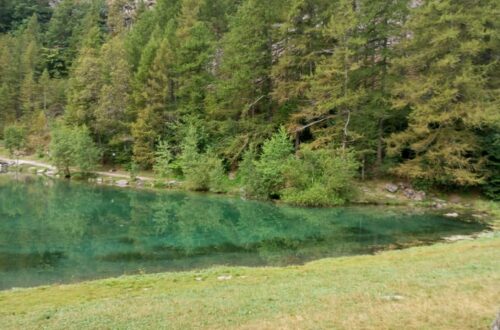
{"points": [[393, 297], [224, 277], [456, 238], [451, 215], [392, 188], [99, 180]]}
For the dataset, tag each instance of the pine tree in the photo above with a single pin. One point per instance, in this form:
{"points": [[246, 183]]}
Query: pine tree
{"points": [[446, 67]]}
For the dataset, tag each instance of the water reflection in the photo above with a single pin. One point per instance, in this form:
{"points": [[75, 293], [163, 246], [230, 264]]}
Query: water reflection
{"points": [[55, 231]]}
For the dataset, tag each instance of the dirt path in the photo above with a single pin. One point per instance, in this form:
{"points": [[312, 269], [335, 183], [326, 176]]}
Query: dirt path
{"points": [[50, 167]]}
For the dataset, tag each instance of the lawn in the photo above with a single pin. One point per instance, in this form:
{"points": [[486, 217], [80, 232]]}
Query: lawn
{"points": [[444, 286]]}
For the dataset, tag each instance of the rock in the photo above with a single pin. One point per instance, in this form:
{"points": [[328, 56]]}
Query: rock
{"points": [[139, 183], [496, 324], [439, 205], [419, 196], [391, 196], [40, 172], [409, 193], [392, 188], [172, 183], [122, 183], [456, 238], [224, 277], [99, 180], [199, 279], [393, 297], [50, 173], [451, 215]]}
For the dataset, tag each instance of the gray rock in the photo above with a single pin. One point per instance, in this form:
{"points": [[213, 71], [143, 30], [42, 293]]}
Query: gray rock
{"points": [[392, 188], [172, 183], [451, 215], [122, 183], [419, 196], [409, 193], [50, 173], [496, 324]]}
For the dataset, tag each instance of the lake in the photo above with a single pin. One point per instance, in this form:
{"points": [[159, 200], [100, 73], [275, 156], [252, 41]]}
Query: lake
{"points": [[53, 231]]}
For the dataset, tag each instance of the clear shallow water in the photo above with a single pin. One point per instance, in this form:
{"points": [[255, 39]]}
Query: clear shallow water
{"points": [[60, 232]]}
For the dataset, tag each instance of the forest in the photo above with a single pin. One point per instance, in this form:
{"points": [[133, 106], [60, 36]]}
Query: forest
{"points": [[292, 98]]}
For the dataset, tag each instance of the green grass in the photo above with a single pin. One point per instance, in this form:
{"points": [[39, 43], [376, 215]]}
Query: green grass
{"points": [[445, 286]]}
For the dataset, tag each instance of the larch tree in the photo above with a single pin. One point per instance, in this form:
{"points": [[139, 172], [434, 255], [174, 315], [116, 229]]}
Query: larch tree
{"points": [[446, 62]]}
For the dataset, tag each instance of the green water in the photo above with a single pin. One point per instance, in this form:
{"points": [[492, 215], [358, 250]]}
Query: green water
{"points": [[60, 232]]}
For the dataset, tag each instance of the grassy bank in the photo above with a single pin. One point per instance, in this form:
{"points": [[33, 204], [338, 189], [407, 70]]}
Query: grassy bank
{"points": [[445, 286]]}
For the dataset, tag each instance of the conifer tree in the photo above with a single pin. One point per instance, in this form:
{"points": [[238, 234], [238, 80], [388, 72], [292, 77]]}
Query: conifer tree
{"points": [[336, 92], [446, 67]]}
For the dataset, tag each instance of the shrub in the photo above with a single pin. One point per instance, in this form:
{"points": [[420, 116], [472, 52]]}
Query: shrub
{"points": [[15, 138], [264, 177], [319, 177], [73, 146], [202, 171]]}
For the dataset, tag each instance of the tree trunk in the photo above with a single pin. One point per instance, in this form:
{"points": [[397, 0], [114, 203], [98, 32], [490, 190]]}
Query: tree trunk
{"points": [[380, 144]]}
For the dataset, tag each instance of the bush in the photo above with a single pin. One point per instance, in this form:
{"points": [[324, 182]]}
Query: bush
{"points": [[73, 146], [319, 177], [264, 177], [203, 171], [15, 138]]}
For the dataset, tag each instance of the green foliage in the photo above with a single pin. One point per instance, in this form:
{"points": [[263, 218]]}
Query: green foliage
{"points": [[164, 160], [411, 89], [264, 178], [14, 138], [201, 167], [72, 146], [321, 177], [447, 84]]}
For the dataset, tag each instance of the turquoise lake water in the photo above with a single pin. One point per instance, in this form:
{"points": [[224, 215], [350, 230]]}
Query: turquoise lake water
{"points": [[62, 232]]}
